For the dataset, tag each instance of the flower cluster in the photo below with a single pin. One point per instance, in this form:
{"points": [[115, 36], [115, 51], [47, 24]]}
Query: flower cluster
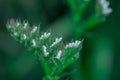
{"points": [[57, 40], [48, 50], [105, 7], [73, 44], [45, 35]]}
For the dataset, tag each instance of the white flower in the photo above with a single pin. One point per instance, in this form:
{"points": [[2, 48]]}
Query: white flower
{"points": [[73, 44], [24, 36], [105, 5], [57, 40], [33, 43], [59, 54], [34, 30], [45, 50], [15, 34], [25, 25], [18, 24], [45, 35]]}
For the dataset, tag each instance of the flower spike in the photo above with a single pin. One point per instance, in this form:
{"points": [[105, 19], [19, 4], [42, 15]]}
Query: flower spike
{"points": [[51, 57]]}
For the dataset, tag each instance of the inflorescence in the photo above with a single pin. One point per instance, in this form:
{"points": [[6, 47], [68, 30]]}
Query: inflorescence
{"points": [[105, 7], [47, 50]]}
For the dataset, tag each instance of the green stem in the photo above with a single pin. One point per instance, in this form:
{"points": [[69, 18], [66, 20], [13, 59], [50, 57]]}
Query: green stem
{"points": [[88, 24]]}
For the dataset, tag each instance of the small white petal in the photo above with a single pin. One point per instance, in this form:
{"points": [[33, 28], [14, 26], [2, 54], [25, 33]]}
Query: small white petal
{"points": [[45, 35], [33, 43], [15, 34], [24, 36], [25, 25], [59, 54], [45, 51], [105, 5], [34, 30], [17, 24], [57, 40], [73, 44]]}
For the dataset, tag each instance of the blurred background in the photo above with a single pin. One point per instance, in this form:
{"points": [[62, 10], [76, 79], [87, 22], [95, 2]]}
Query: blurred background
{"points": [[100, 55]]}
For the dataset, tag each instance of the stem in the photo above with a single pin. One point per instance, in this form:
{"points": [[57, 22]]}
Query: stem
{"points": [[88, 24]]}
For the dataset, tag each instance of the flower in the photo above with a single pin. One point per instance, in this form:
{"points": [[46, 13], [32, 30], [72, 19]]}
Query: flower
{"points": [[59, 54], [51, 53], [33, 43], [57, 40], [34, 30], [23, 37], [105, 6], [73, 44], [45, 35], [45, 50], [15, 34], [25, 25]]}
